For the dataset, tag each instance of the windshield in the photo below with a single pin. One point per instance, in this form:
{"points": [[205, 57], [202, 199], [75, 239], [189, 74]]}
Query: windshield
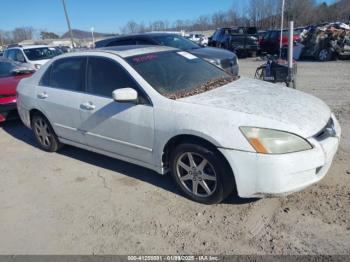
{"points": [[179, 74], [176, 41], [40, 53], [6, 69]]}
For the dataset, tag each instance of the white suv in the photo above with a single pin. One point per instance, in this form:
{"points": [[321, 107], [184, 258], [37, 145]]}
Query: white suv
{"points": [[34, 56]]}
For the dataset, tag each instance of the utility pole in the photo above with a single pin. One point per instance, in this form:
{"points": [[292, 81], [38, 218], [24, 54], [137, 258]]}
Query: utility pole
{"points": [[282, 20], [1, 40], [68, 23], [93, 38], [291, 76]]}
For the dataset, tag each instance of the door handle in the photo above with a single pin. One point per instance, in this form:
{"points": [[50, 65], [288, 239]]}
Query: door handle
{"points": [[42, 95], [87, 106]]}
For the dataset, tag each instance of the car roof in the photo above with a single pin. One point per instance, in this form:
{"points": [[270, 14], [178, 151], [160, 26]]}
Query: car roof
{"points": [[124, 51], [27, 47], [133, 50], [149, 34]]}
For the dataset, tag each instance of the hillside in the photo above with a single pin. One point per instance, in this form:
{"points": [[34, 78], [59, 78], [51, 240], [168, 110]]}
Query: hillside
{"points": [[80, 34]]}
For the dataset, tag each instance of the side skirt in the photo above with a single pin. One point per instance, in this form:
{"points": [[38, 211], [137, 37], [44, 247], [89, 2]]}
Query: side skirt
{"points": [[159, 170]]}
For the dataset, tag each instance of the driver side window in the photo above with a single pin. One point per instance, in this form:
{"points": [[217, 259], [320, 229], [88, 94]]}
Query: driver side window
{"points": [[104, 76]]}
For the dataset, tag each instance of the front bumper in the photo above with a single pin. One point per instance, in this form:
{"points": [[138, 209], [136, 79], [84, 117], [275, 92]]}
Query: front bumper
{"points": [[259, 175]]}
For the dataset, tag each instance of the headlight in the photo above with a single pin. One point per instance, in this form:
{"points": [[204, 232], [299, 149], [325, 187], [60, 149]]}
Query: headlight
{"points": [[37, 66], [269, 141]]}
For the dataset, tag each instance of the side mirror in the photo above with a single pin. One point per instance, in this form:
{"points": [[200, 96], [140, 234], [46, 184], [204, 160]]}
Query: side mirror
{"points": [[125, 95]]}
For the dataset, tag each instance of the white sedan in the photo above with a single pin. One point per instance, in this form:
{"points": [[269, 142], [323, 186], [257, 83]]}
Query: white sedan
{"points": [[169, 110]]}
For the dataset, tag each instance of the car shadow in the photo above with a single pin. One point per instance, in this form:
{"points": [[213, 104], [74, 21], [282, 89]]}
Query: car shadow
{"points": [[18, 131]]}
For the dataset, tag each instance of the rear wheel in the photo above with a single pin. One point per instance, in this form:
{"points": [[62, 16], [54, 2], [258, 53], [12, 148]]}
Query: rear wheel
{"points": [[201, 174], [44, 134]]}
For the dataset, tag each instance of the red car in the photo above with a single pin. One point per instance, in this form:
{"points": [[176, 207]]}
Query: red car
{"points": [[270, 42], [10, 74]]}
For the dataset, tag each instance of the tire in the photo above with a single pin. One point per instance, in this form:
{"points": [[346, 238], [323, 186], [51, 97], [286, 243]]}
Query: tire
{"points": [[324, 55], [44, 134], [218, 182]]}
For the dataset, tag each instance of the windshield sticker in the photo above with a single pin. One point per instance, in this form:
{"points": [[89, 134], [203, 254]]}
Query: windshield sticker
{"points": [[144, 58], [187, 55]]}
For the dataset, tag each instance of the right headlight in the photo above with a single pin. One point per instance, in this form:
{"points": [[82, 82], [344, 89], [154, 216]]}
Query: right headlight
{"points": [[269, 141]]}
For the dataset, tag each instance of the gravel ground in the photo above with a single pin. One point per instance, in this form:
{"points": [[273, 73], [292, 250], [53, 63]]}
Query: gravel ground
{"points": [[77, 202]]}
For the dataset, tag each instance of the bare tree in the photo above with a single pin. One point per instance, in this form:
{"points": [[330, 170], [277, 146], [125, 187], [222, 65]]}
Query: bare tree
{"points": [[22, 33]]}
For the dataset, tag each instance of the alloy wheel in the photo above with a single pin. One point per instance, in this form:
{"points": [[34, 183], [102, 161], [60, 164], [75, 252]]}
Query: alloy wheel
{"points": [[196, 174], [42, 132]]}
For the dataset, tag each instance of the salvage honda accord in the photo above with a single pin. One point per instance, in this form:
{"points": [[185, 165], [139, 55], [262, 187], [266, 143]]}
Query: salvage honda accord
{"points": [[168, 110]]}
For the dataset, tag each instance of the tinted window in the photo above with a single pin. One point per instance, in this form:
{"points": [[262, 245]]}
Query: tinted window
{"points": [[104, 76], [175, 41], [122, 42], [45, 79], [68, 73], [144, 42]]}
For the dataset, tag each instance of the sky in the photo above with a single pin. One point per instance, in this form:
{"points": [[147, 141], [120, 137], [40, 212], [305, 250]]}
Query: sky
{"points": [[105, 15]]}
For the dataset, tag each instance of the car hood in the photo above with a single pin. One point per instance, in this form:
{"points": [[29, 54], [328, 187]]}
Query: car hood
{"points": [[8, 85], [290, 107], [212, 53]]}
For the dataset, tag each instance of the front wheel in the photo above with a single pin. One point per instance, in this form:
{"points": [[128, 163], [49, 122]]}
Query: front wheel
{"points": [[201, 174], [44, 134]]}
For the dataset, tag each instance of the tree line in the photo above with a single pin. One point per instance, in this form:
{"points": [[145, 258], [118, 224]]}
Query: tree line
{"points": [[263, 14]]}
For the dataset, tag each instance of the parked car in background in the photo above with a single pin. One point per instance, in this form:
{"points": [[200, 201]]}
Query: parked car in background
{"points": [[221, 58], [168, 110], [270, 42], [64, 49], [242, 40], [195, 38], [199, 39], [10, 74], [33, 56]]}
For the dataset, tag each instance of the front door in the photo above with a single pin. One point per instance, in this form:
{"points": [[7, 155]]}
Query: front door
{"points": [[125, 129]]}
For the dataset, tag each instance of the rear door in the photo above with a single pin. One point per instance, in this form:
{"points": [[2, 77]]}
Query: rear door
{"points": [[125, 129], [59, 96]]}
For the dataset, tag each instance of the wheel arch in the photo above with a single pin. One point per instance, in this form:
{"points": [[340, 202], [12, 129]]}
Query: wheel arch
{"points": [[34, 111], [176, 140]]}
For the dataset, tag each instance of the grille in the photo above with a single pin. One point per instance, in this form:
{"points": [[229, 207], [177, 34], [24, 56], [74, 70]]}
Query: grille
{"points": [[327, 131]]}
